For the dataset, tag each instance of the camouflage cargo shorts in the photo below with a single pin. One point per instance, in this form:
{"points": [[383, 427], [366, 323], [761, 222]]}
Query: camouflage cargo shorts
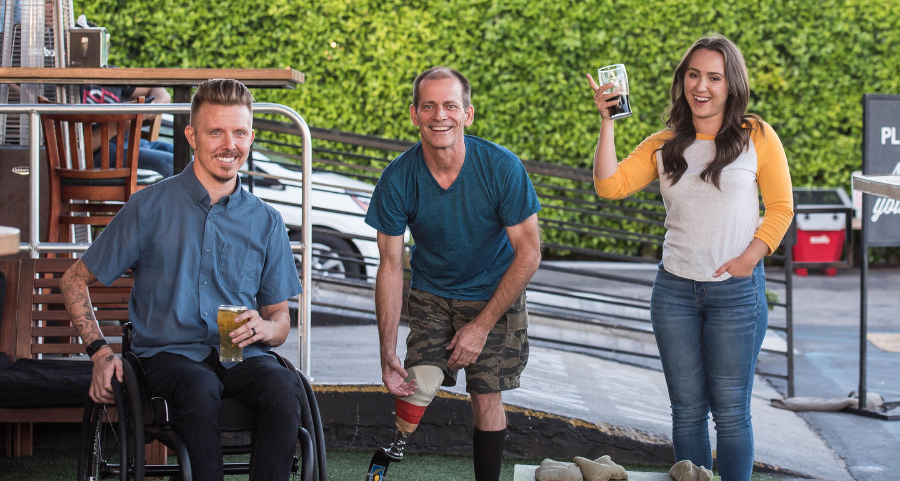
{"points": [[434, 320]]}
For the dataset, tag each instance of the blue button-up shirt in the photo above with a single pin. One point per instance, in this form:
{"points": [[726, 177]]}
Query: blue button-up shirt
{"points": [[188, 258]]}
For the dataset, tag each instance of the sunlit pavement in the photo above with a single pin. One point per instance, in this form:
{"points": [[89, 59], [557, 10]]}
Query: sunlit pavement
{"points": [[587, 388], [834, 446]]}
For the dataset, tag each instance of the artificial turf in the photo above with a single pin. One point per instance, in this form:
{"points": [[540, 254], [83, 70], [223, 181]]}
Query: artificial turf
{"points": [[60, 464]]}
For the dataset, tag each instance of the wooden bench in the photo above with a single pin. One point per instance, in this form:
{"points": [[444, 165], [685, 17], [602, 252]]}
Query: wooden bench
{"points": [[35, 325]]}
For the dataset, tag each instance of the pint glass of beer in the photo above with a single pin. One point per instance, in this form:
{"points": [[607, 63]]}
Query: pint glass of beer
{"points": [[229, 351], [615, 74]]}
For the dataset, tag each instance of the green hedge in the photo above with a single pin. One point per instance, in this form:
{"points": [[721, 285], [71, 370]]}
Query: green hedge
{"points": [[810, 62]]}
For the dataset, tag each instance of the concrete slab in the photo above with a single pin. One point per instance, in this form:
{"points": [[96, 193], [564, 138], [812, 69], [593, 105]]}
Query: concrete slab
{"points": [[628, 399], [633, 400]]}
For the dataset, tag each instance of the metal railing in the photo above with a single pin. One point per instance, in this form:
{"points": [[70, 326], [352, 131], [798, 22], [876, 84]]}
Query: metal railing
{"points": [[35, 247]]}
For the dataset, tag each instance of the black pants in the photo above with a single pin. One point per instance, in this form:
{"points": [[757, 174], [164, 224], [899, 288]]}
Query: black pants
{"points": [[194, 391]]}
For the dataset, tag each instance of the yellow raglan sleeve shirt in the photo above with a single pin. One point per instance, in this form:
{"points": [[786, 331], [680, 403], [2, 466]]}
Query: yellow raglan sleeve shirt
{"points": [[635, 172], [774, 179]]}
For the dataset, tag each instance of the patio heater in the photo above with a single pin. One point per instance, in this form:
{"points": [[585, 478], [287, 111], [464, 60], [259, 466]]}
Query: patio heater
{"points": [[33, 35]]}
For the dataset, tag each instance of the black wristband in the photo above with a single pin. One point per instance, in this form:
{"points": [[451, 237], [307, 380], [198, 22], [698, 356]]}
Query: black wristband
{"points": [[95, 346]]}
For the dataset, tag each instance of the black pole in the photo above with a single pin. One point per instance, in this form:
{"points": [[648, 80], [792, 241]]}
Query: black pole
{"points": [[251, 179], [182, 155], [789, 303], [863, 272], [863, 303], [864, 268]]}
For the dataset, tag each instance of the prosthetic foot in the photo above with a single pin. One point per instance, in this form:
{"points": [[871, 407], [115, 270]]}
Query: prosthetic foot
{"points": [[409, 412]]}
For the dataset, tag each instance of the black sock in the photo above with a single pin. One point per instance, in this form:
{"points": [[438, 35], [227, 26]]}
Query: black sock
{"points": [[488, 447]]}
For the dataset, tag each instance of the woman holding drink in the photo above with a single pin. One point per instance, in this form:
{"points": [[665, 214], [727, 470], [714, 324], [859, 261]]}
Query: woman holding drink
{"points": [[708, 306]]}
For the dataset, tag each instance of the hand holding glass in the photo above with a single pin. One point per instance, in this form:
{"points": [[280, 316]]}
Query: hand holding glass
{"points": [[228, 350], [615, 74]]}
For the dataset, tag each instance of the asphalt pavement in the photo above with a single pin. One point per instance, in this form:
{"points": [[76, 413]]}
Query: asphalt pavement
{"points": [[826, 340]]}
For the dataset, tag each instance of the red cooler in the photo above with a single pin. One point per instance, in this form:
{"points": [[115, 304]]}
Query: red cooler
{"points": [[820, 237]]}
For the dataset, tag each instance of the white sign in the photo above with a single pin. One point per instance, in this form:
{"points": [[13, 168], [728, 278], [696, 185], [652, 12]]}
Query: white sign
{"points": [[889, 133]]}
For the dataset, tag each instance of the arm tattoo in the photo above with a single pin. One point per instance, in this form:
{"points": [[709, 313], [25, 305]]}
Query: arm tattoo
{"points": [[74, 285], [110, 357]]}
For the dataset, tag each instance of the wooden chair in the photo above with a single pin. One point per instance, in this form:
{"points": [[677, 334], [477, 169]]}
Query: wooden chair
{"points": [[152, 134], [105, 188]]}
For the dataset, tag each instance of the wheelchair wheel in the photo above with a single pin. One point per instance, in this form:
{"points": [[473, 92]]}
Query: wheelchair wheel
{"points": [[135, 421], [108, 449]]}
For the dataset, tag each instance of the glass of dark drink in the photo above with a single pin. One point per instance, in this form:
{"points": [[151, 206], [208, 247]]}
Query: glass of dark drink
{"points": [[615, 74]]}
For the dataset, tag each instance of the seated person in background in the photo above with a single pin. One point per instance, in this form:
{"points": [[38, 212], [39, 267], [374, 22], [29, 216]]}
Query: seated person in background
{"points": [[156, 155], [194, 242]]}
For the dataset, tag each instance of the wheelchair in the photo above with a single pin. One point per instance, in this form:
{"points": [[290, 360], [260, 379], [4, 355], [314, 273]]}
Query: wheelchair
{"points": [[113, 436]]}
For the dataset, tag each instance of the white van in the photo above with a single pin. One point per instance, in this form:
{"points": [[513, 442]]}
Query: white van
{"points": [[343, 244]]}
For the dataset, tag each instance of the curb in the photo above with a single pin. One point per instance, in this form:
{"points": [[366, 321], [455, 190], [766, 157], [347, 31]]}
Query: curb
{"points": [[361, 417]]}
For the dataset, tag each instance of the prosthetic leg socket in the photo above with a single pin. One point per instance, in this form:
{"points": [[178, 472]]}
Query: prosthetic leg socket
{"points": [[409, 413], [410, 410]]}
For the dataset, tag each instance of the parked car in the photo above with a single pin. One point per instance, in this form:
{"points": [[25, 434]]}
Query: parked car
{"points": [[343, 244]]}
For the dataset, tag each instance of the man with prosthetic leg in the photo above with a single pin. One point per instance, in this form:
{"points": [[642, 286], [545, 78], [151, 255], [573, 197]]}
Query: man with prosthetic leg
{"points": [[472, 211]]}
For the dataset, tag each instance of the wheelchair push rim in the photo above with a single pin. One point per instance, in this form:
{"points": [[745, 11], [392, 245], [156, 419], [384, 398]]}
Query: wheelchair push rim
{"points": [[106, 440]]}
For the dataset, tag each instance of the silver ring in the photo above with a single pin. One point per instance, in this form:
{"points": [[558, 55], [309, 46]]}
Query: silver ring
{"points": [[253, 330]]}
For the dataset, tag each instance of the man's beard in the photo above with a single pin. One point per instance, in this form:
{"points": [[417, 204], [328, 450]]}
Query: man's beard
{"points": [[238, 157], [223, 179]]}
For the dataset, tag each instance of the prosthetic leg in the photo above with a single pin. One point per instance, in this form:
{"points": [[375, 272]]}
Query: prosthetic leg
{"points": [[409, 412]]}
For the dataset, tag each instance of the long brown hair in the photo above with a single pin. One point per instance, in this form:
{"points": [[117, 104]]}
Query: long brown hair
{"points": [[734, 135]]}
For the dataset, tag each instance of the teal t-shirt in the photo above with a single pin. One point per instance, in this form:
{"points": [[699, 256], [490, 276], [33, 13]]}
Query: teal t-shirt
{"points": [[461, 248]]}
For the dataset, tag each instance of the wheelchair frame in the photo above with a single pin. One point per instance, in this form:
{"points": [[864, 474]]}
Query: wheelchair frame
{"points": [[113, 436]]}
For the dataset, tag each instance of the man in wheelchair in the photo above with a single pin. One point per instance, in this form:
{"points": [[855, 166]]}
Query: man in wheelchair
{"points": [[194, 242]]}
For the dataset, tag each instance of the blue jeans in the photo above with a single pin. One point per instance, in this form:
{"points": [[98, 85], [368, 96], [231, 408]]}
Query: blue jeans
{"points": [[156, 156], [709, 336], [194, 390]]}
